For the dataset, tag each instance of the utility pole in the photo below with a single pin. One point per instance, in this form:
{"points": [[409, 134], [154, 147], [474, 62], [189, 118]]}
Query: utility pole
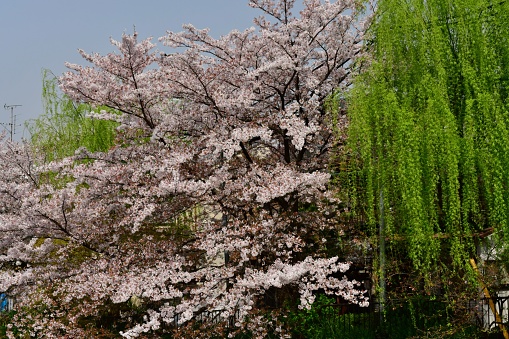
{"points": [[383, 286], [12, 124]]}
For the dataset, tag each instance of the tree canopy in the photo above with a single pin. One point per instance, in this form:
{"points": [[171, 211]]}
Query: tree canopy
{"points": [[234, 128], [429, 127]]}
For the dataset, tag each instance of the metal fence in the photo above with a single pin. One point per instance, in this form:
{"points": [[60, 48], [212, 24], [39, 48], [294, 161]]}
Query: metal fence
{"points": [[420, 316], [211, 317], [397, 318], [484, 315]]}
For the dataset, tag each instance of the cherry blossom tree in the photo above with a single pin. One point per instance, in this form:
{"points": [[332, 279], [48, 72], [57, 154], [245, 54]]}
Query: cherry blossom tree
{"points": [[214, 205]]}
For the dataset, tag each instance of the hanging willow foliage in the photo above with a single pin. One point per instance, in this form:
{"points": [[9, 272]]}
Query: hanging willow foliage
{"points": [[64, 126], [429, 126]]}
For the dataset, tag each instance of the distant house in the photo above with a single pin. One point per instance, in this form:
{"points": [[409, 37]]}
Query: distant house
{"points": [[6, 303], [490, 251]]}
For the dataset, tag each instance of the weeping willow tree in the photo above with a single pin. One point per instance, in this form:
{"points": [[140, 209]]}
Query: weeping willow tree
{"points": [[64, 126], [429, 129]]}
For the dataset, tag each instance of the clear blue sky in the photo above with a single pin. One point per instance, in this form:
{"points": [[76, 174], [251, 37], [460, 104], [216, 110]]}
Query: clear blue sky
{"points": [[37, 34]]}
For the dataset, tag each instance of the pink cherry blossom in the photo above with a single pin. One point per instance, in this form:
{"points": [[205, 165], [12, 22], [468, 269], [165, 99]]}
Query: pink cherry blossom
{"points": [[215, 194]]}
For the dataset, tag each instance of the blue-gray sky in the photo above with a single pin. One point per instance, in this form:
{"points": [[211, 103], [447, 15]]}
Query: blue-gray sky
{"points": [[38, 34]]}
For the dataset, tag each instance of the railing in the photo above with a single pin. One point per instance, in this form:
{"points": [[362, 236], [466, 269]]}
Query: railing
{"points": [[211, 317], [484, 316], [407, 318], [400, 318]]}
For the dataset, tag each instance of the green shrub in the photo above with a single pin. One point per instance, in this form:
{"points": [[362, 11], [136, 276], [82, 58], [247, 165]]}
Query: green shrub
{"points": [[324, 321]]}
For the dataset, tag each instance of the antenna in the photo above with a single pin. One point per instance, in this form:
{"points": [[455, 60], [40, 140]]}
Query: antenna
{"points": [[12, 124]]}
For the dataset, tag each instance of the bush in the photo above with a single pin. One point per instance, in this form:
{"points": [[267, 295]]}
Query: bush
{"points": [[325, 321]]}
